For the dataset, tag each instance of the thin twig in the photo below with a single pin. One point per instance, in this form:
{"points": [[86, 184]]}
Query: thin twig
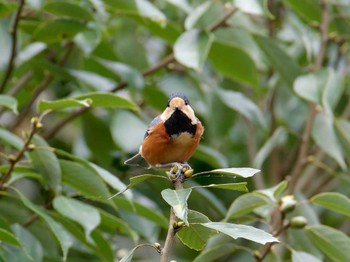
{"points": [[171, 231], [161, 64], [304, 143], [13, 47], [40, 88]]}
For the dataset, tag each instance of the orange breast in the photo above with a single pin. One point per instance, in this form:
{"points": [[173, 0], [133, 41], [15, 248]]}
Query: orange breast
{"points": [[159, 148]]}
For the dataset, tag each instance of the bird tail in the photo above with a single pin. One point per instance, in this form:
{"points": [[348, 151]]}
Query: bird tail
{"points": [[137, 160]]}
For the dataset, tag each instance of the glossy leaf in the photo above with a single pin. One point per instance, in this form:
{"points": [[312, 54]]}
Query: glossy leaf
{"points": [[177, 199], [216, 252], [299, 256], [182, 4], [192, 48], [332, 242], [137, 180], [194, 16], [62, 104], [233, 63], [242, 231], [245, 204], [129, 255], [274, 192], [84, 180], [87, 216], [249, 6], [29, 52], [68, 9], [229, 186], [240, 171], [309, 9], [195, 236], [334, 201], [46, 163], [323, 133], [277, 139], [96, 81], [150, 11], [11, 139], [243, 105], [9, 102], [63, 237], [281, 62], [8, 237]]}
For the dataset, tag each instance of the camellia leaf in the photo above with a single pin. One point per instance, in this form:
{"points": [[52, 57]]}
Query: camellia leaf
{"points": [[333, 201], [196, 14], [11, 139], [177, 199], [243, 105], [46, 163], [95, 99], [129, 255], [307, 87], [150, 11], [96, 81], [195, 236], [242, 231], [334, 243], [275, 191], [245, 204], [64, 238], [229, 186], [282, 63], [68, 9], [183, 4], [136, 180], [299, 256], [249, 6], [9, 237], [192, 48], [278, 138], [232, 171], [323, 133], [216, 252], [85, 215], [9, 102], [29, 52], [233, 62]]}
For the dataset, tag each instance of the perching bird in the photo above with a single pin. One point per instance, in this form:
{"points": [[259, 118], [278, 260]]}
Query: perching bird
{"points": [[171, 138]]}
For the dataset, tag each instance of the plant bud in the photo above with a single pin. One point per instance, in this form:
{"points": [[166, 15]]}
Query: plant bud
{"points": [[180, 224], [175, 169], [157, 245], [31, 147], [189, 173], [298, 222], [11, 158], [287, 204]]}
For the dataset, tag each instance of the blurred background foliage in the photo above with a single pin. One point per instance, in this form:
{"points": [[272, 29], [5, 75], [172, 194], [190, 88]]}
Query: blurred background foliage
{"points": [[268, 79]]}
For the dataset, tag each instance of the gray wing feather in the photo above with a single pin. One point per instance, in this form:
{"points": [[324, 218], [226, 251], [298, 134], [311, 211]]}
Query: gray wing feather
{"points": [[154, 122]]}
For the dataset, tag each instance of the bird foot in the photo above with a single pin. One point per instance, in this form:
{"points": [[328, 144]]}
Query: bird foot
{"points": [[177, 169]]}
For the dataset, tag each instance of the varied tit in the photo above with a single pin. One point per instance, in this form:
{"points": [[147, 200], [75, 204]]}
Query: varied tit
{"points": [[171, 138]]}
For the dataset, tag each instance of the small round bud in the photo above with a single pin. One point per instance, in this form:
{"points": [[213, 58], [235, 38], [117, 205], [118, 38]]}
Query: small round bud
{"points": [[39, 125], [31, 147], [287, 204], [172, 176], [175, 169], [256, 254], [180, 224], [189, 173], [34, 120], [175, 225], [157, 245], [298, 222], [11, 158]]}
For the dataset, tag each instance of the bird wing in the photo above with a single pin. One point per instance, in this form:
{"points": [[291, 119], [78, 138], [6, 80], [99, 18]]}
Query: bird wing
{"points": [[154, 122]]}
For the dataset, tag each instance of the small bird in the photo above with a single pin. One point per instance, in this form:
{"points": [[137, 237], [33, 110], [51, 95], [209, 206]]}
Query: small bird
{"points": [[171, 138]]}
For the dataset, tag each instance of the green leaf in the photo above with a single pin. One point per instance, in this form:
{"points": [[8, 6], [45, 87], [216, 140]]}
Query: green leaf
{"points": [[195, 15], [192, 47], [11, 139], [323, 133], [240, 67], [56, 30], [29, 52], [137, 180], [216, 252], [24, 172], [9, 102], [129, 255], [62, 104], [281, 62], [242, 231], [232, 171], [8, 237], [195, 236], [309, 10], [150, 11], [46, 163], [57, 229], [85, 215], [299, 256], [229, 186], [84, 179], [94, 80], [182, 4], [278, 138], [68, 9], [333, 201], [308, 87], [141, 210], [245, 204], [177, 199], [334, 243], [243, 105], [275, 191], [95, 99], [249, 6]]}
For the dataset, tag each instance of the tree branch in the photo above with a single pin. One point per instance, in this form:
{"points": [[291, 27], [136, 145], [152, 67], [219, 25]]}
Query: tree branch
{"points": [[13, 48], [304, 143]]}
